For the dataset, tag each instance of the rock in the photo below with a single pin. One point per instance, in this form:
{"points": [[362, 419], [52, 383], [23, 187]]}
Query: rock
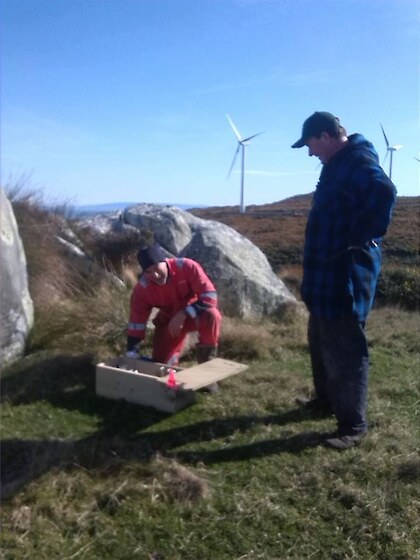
{"points": [[102, 224], [176, 233], [246, 285], [16, 307]]}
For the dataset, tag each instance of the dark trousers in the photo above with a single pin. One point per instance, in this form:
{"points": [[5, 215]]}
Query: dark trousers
{"points": [[340, 363]]}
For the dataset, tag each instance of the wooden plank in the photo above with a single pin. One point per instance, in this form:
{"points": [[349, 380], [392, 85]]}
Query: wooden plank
{"points": [[212, 371]]}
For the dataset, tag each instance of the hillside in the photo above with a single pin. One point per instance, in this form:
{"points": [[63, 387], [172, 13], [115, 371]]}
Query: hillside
{"points": [[278, 228], [240, 474]]}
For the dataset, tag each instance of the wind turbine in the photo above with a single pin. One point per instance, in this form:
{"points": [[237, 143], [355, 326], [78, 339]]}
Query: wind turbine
{"points": [[418, 159], [390, 150], [242, 142]]}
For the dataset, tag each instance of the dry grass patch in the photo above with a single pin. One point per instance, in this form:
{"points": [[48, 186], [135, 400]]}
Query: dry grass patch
{"points": [[93, 320], [177, 482], [262, 339], [51, 275]]}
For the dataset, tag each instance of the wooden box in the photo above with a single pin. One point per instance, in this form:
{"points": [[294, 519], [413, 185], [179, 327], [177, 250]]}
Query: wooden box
{"points": [[146, 383]]}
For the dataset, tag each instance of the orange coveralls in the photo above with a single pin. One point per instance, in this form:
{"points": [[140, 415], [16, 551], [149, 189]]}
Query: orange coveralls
{"points": [[188, 288]]}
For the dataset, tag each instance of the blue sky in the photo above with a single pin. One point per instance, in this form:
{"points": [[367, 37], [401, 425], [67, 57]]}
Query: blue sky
{"points": [[126, 100]]}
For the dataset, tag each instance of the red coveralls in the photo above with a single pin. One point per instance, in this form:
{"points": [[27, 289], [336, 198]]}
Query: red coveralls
{"points": [[188, 288]]}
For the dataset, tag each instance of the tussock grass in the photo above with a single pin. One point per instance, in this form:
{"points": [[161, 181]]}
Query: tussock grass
{"points": [[178, 483], [50, 271], [79, 306], [262, 339], [116, 251], [93, 320]]}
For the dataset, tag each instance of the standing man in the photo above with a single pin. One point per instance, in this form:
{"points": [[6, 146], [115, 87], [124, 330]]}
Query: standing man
{"points": [[187, 302], [350, 212]]}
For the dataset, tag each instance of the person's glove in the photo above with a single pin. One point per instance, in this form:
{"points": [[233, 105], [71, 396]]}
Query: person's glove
{"points": [[131, 354]]}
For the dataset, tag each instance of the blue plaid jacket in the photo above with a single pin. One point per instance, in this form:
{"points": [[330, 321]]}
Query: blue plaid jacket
{"points": [[350, 212]]}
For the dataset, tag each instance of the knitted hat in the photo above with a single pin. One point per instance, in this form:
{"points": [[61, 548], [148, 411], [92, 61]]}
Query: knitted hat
{"points": [[150, 255]]}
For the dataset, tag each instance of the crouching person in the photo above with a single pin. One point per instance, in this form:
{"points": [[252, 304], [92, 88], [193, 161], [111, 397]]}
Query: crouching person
{"points": [[187, 302]]}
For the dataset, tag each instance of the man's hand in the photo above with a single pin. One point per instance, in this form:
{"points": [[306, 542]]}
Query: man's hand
{"points": [[176, 324]]}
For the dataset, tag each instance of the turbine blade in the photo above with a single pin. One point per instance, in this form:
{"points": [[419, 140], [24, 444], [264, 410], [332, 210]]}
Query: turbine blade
{"points": [[418, 159], [386, 139], [235, 130], [233, 161], [385, 158], [250, 137]]}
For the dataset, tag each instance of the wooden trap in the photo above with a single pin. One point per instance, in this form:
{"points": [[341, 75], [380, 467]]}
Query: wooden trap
{"points": [[152, 384]]}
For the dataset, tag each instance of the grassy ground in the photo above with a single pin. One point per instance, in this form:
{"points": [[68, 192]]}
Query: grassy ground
{"points": [[239, 475]]}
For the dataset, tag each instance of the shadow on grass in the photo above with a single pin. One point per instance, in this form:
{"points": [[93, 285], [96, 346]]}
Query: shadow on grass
{"points": [[291, 444], [68, 382], [25, 460], [53, 379]]}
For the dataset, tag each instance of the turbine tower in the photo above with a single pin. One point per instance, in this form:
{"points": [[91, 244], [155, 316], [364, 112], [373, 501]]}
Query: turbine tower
{"points": [[390, 150], [242, 142]]}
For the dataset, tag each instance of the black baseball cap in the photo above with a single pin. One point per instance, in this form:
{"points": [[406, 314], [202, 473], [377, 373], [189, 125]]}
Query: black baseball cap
{"points": [[319, 122]]}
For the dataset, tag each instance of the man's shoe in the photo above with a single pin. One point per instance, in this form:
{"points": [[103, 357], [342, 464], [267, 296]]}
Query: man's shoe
{"points": [[315, 405], [211, 389], [344, 442]]}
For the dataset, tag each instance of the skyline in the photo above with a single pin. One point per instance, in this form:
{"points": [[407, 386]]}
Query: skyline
{"points": [[124, 100]]}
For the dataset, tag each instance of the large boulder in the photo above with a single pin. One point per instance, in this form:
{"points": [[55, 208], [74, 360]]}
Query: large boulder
{"points": [[170, 225], [104, 224], [16, 307], [246, 285]]}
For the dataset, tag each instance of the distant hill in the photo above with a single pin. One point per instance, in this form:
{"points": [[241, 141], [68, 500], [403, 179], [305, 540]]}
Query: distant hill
{"points": [[93, 209], [296, 203], [278, 228]]}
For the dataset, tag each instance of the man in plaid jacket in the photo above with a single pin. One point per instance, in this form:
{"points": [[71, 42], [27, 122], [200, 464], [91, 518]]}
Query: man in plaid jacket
{"points": [[351, 211]]}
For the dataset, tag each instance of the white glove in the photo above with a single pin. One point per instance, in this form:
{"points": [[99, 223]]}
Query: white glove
{"points": [[131, 354]]}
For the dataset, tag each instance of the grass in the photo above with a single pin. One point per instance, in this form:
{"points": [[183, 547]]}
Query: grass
{"points": [[239, 475]]}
